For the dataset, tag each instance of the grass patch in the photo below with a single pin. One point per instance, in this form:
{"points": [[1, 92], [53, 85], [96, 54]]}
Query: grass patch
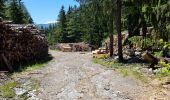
{"points": [[108, 64], [124, 72], [125, 69], [7, 90], [34, 65], [31, 67], [140, 76]]}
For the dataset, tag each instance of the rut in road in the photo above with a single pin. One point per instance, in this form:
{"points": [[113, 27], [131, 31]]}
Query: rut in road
{"points": [[73, 76]]}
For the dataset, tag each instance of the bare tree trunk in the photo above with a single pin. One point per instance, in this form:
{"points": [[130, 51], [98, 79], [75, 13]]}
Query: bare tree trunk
{"points": [[119, 6], [111, 45], [111, 30]]}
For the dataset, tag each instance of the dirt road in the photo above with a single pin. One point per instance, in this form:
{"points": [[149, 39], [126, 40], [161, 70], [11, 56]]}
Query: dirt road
{"points": [[73, 76]]}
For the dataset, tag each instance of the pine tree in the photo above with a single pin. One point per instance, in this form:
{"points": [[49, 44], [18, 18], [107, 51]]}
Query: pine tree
{"points": [[16, 13], [73, 25], [27, 17], [119, 27], [62, 25], [2, 8]]}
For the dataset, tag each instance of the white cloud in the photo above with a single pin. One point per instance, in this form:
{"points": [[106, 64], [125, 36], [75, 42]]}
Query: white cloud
{"points": [[48, 22]]}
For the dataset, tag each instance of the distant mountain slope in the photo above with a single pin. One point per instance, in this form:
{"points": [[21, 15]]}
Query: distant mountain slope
{"points": [[45, 25]]}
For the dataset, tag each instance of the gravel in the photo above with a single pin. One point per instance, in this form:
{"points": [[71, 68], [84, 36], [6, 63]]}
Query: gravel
{"points": [[73, 76]]}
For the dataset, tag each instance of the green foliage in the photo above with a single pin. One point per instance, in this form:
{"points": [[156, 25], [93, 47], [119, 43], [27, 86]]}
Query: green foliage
{"points": [[146, 43], [166, 49], [62, 25], [158, 54], [165, 70], [136, 40], [51, 39], [27, 17], [73, 23], [16, 13], [94, 18], [87, 23], [2, 8]]}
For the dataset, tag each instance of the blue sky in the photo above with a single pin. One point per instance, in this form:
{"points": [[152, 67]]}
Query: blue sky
{"points": [[44, 11]]}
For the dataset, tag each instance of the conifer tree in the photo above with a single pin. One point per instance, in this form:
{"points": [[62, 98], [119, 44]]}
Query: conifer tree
{"points": [[62, 25], [73, 25], [2, 8], [16, 13], [27, 17]]}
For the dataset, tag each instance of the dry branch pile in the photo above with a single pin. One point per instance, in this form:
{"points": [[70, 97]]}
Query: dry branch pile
{"points": [[20, 44]]}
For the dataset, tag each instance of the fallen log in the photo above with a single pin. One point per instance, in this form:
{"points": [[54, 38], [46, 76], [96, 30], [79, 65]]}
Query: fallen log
{"points": [[150, 58]]}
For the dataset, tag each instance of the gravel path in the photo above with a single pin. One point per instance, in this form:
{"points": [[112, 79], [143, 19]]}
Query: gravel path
{"points": [[73, 76]]}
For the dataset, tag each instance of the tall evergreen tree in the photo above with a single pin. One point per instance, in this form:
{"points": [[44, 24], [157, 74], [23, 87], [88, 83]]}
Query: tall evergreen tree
{"points": [[16, 13], [62, 25], [73, 25], [119, 25], [27, 17], [2, 8]]}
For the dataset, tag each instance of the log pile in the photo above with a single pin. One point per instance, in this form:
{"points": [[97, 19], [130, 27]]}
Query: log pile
{"points": [[100, 51], [65, 47], [20, 44], [73, 47], [80, 47]]}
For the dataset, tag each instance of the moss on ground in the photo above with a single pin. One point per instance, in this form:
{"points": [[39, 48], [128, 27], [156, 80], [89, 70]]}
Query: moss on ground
{"points": [[7, 90]]}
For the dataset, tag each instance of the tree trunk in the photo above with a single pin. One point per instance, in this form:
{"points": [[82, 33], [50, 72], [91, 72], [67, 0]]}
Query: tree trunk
{"points": [[144, 26], [144, 29], [111, 45], [119, 6], [111, 30], [101, 38]]}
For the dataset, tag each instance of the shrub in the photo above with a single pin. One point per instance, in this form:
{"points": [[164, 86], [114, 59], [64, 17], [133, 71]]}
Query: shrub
{"points": [[164, 70]]}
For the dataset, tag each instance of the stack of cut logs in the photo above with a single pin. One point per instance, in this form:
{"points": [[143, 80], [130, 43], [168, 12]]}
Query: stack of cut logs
{"points": [[73, 47], [20, 44]]}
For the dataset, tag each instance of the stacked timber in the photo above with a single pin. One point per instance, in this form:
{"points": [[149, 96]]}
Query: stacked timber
{"points": [[73, 47], [100, 51], [65, 47], [20, 43], [81, 46]]}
